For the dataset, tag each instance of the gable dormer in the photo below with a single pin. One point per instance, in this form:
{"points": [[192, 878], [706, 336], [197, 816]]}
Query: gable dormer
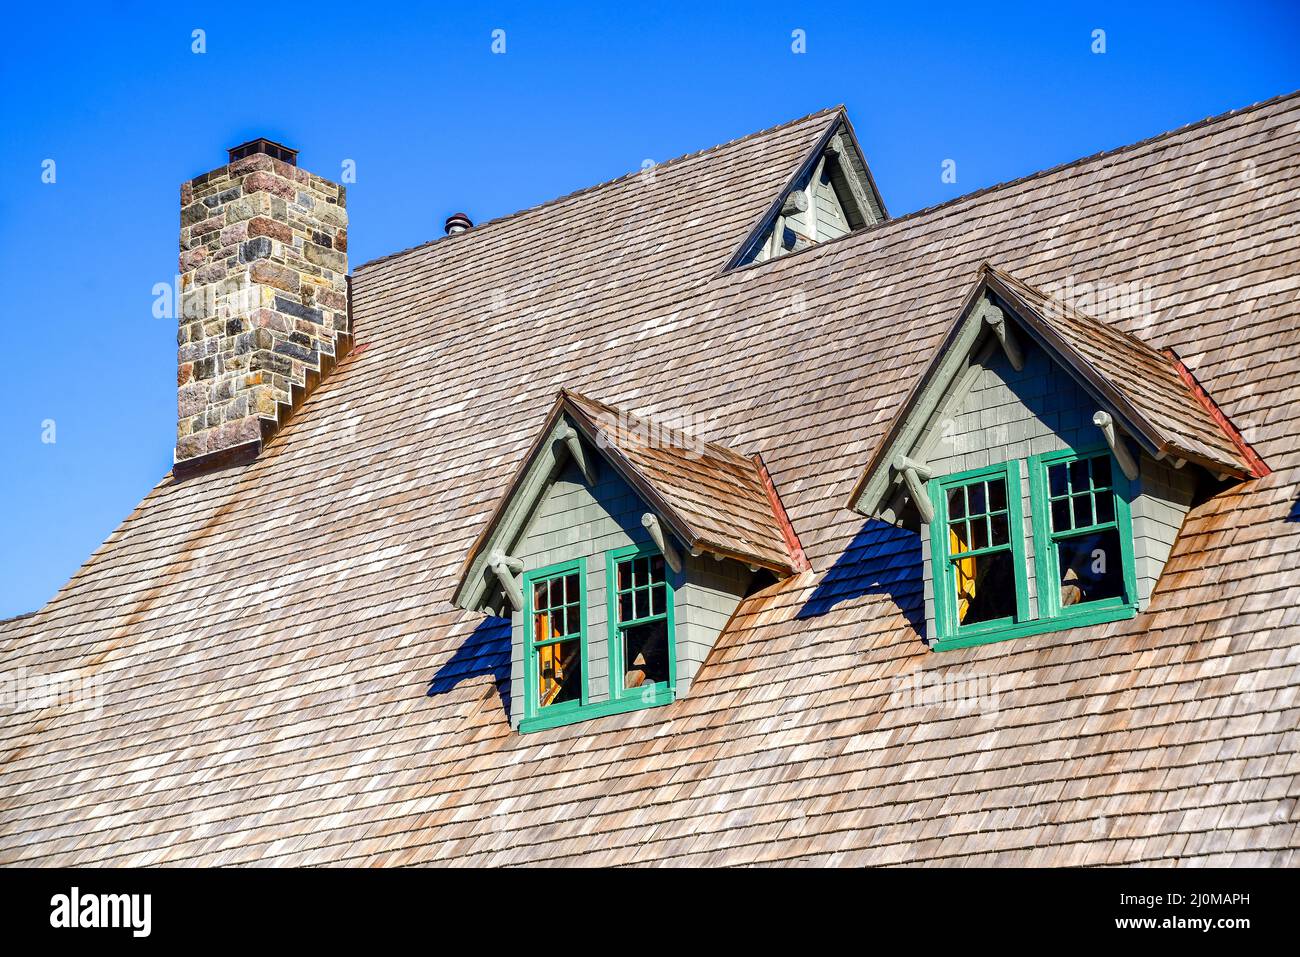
{"points": [[831, 194], [1048, 461], [619, 551]]}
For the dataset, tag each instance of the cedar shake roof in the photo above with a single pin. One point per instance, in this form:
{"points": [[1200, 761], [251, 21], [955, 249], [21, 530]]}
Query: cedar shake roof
{"points": [[1157, 399], [284, 681], [712, 498]]}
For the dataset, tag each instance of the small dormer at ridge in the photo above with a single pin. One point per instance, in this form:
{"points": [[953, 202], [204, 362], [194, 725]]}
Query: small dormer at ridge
{"points": [[832, 194], [1048, 461], [619, 551]]}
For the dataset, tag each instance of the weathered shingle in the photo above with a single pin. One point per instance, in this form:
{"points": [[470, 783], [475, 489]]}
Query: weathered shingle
{"points": [[283, 681]]}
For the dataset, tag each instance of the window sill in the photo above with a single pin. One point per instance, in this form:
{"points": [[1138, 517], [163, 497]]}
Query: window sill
{"points": [[600, 709], [1077, 619]]}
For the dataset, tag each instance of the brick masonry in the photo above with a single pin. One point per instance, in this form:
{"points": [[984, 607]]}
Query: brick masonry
{"points": [[264, 306]]}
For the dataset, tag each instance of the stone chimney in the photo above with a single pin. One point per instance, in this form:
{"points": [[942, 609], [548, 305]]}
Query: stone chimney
{"points": [[264, 300]]}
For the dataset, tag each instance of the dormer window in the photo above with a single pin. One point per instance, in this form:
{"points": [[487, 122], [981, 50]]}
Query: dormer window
{"points": [[978, 535], [831, 195], [619, 551], [555, 638], [1083, 535], [1048, 460], [641, 629]]}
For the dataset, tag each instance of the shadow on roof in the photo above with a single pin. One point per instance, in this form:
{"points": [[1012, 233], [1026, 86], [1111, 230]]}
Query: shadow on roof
{"points": [[486, 651], [882, 559]]}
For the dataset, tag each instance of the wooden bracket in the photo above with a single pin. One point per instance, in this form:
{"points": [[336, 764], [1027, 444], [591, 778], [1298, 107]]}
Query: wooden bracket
{"points": [[1106, 423], [651, 522], [505, 568], [914, 473], [569, 436], [997, 321]]}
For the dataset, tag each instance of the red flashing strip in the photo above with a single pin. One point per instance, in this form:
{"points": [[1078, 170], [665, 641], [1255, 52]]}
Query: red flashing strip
{"points": [[1258, 468], [798, 561]]}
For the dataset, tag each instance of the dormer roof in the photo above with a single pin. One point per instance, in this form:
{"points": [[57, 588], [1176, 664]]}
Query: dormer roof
{"points": [[1151, 393], [711, 498]]}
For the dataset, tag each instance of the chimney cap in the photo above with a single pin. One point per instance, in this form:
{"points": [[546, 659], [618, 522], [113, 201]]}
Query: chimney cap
{"points": [[458, 223], [263, 145]]}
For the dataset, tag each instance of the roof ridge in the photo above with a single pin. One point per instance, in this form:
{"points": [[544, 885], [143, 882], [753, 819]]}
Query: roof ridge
{"points": [[837, 109]]}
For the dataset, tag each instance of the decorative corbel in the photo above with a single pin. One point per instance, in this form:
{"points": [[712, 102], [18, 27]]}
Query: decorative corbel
{"points": [[505, 568], [569, 436], [1105, 422], [1006, 336], [914, 473], [651, 522]]}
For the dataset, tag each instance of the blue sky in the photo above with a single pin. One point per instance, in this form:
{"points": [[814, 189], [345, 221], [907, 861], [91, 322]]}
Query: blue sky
{"points": [[436, 122]]}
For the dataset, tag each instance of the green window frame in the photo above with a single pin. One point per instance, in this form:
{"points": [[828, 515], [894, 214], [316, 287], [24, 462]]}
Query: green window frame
{"points": [[1080, 494], [1103, 496], [643, 598], [538, 586], [965, 511]]}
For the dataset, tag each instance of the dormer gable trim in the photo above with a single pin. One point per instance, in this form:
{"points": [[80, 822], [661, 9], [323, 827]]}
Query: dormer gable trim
{"points": [[995, 313], [574, 431], [838, 146]]}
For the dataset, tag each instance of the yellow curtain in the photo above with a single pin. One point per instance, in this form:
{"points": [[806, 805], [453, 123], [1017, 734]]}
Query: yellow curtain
{"points": [[965, 574]]}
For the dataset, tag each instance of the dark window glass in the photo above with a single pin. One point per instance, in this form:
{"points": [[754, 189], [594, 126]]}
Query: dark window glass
{"points": [[957, 503], [1056, 480], [1061, 515], [659, 600], [1001, 533], [975, 495], [1079, 475], [1105, 509], [997, 495], [979, 534], [1082, 511], [986, 587], [1091, 567], [625, 607], [645, 654]]}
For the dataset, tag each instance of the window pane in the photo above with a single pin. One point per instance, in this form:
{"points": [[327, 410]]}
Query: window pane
{"points": [[659, 600], [574, 618], [1001, 534], [1101, 472], [986, 587], [625, 607], [979, 533], [645, 654], [997, 495], [1056, 480], [957, 538], [1079, 475], [570, 589], [642, 602], [559, 673], [1061, 514], [624, 576], [957, 503], [1091, 567], [539, 595], [656, 568], [1082, 511], [557, 592], [975, 496], [1105, 507], [641, 575], [542, 626]]}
